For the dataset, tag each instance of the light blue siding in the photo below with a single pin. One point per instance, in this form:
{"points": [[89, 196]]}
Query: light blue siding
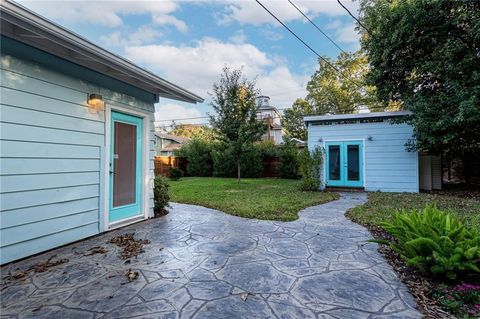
{"points": [[52, 157], [388, 166]]}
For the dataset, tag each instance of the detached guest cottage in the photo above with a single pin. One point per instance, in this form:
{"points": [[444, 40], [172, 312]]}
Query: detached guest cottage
{"points": [[368, 151], [76, 136]]}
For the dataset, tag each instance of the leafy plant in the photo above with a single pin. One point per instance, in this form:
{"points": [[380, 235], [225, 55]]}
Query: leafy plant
{"points": [[288, 157], [160, 196], [199, 158], [436, 242], [310, 162], [175, 173]]}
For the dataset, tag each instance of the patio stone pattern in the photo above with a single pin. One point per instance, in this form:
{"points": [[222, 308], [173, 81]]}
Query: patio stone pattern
{"points": [[201, 262]]}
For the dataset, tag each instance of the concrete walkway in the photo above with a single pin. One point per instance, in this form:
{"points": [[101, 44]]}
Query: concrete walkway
{"points": [[202, 262]]}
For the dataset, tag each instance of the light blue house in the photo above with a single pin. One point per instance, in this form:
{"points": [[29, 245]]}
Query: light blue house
{"points": [[76, 136], [367, 151]]}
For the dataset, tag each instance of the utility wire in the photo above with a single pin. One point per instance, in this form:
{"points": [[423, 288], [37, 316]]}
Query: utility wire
{"points": [[354, 17], [309, 47], [316, 26]]}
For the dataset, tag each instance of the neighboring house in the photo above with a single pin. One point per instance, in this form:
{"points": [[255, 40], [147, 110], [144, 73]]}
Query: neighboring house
{"points": [[166, 144], [272, 118], [368, 151], [76, 136]]}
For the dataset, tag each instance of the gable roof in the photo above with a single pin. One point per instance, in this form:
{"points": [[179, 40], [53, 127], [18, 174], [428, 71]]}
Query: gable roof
{"points": [[26, 26], [174, 138]]}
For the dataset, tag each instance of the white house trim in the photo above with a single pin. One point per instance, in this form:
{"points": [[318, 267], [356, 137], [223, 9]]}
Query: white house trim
{"points": [[145, 167]]}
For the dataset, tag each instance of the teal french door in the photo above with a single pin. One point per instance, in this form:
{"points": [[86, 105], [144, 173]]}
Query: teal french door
{"points": [[344, 163], [125, 167]]}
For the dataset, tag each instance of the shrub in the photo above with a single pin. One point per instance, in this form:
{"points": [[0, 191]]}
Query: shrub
{"points": [[198, 154], [288, 156], [309, 165], [223, 161], [160, 196], [436, 242], [224, 164], [175, 173]]}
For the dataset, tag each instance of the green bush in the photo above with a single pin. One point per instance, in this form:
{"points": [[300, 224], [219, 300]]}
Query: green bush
{"points": [[224, 163], [175, 173], [288, 157], [160, 196], [199, 157], [436, 242], [309, 165]]}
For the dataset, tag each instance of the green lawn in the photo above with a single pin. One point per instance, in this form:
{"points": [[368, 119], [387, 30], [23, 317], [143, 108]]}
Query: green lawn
{"points": [[380, 207], [273, 199]]}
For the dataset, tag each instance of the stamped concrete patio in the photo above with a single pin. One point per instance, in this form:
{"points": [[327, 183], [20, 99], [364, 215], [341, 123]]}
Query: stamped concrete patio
{"points": [[201, 262]]}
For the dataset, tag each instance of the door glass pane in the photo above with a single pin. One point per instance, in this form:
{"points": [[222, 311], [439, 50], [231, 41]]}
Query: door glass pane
{"points": [[124, 164], [353, 161], [334, 162]]}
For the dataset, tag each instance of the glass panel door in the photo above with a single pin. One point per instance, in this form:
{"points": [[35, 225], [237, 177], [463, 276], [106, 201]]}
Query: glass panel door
{"points": [[125, 166], [353, 164], [344, 164], [334, 160]]}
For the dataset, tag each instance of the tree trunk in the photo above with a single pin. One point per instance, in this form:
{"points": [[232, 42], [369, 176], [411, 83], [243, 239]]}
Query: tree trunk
{"points": [[238, 169]]}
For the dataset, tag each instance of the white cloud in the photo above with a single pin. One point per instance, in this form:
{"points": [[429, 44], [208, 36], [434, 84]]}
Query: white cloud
{"points": [[164, 19], [198, 66], [106, 13], [250, 12], [239, 37], [144, 35], [345, 33]]}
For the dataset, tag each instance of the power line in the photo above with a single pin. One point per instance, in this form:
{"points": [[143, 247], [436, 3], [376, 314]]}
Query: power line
{"points": [[309, 47], [186, 118], [316, 26], [354, 17]]}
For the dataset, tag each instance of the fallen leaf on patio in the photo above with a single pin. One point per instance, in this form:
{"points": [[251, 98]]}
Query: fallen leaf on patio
{"points": [[43, 267], [37, 309], [96, 250], [244, 296], [131, 247], [131, 275], [19, 275]]}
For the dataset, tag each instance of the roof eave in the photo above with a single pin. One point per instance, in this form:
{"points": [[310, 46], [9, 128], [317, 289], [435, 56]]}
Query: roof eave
{"points": [[33, 29]]}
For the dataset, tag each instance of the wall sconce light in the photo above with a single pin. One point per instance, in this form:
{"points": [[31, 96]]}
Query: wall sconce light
{"points": [[95, 103], [369, 138], [320, 139]]}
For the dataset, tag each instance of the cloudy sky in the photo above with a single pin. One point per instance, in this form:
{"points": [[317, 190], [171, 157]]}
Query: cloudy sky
{"points": [[188, 42]]}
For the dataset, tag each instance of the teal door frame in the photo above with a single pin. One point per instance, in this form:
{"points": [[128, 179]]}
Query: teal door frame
{"points": [[134, 209], [343, 179]]}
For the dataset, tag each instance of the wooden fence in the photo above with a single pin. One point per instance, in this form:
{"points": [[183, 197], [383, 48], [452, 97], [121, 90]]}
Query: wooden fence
{"points": [[163, 164]]}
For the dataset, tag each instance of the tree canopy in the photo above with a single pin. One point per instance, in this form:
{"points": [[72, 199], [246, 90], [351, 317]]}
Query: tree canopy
{"points": [[234, 101], [426, 53], [202, 132], [328, 92]]}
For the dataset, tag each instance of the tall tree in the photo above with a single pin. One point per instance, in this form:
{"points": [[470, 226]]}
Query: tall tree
{"points": [[201, 132], [426, 53], [293, 119], [235, 122], [331, 92]]}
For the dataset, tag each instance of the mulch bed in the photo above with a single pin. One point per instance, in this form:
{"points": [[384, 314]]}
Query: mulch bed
{"points": [[419, 286]]}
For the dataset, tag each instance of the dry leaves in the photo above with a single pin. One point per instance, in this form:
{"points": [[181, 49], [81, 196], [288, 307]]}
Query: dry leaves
{"points": [[131, 247], [40, 267], [131, 275], [244, 296]]}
